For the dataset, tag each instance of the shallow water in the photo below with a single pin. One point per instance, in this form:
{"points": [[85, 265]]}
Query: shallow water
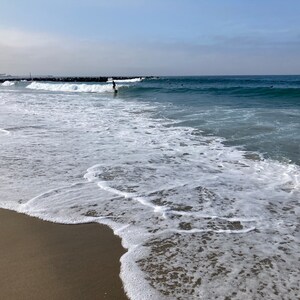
{"points": [[199, 177]]}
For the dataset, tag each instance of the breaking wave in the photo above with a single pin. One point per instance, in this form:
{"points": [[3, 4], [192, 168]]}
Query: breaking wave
{"points": [[138, 79], [67, 87], [4, 131], [8, 83]]}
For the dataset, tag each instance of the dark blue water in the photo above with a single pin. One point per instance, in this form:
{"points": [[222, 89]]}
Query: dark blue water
{"points": [[256, 113]]}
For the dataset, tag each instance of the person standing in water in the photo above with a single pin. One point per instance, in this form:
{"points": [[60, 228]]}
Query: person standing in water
{"points": [[114, 87]]}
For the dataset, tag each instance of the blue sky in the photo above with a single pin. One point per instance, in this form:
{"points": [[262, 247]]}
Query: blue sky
{"points": [[157, 37]]}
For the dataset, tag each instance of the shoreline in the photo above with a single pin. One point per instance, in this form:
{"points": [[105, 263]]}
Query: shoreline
{"points": [[44, 260]]}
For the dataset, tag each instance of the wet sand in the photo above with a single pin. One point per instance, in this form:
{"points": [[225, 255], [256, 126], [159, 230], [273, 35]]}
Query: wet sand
{"points": [[43, 260]]}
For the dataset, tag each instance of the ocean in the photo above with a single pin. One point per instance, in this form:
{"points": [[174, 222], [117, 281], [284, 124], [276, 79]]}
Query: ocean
{"points": [[199, 176]]}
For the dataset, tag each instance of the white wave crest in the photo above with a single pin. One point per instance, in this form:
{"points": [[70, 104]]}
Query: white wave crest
{"points": [[4, 131], [8, 83], [138, 79], [68, 87]]}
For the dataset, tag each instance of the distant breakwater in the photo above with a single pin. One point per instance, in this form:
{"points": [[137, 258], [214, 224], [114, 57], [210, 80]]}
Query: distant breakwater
{"points": [[70, 79]]}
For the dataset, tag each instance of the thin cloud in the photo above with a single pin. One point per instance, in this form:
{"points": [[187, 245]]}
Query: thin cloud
{"points": [[22, 52]]}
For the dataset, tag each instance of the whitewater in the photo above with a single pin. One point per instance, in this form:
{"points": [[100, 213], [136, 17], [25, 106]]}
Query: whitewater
{"points": [[194, 174]]}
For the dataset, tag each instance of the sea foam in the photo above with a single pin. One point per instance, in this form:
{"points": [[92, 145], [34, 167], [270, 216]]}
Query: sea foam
{"points": [[132, 80], [67, 87], [200, 220], [8, 83], [4, 131]]}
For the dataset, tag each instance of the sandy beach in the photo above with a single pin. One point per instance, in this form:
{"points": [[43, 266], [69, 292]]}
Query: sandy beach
{"points": [[43, 260]]}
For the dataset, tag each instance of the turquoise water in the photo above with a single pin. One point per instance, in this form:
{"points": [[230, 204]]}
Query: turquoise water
{"points": [[199, 176], [258, 113]]}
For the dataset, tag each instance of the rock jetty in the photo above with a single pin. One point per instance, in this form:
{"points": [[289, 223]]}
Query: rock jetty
{"points": [[68, 79]]}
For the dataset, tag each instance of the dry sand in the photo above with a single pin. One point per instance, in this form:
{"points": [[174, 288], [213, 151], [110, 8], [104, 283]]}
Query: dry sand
{"points": [[43, 260]]}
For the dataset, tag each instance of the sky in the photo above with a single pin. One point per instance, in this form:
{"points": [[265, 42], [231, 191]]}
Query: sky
{"points": [[149, 37]]}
